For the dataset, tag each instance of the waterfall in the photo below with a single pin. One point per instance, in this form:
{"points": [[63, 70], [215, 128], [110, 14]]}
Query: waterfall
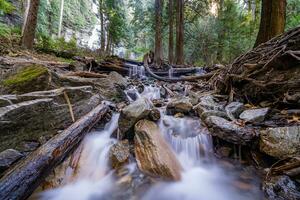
{"points": [[171, 71]]}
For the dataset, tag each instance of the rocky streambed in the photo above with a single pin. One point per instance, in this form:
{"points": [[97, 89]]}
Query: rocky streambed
{"points": [[160, 140]]}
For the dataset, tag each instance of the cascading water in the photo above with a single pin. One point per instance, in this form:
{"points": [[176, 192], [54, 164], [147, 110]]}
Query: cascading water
{"points": [[136, 71], [171, 71]]}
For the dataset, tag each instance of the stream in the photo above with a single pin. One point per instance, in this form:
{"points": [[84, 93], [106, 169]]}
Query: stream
{"points": [[204, 176]]}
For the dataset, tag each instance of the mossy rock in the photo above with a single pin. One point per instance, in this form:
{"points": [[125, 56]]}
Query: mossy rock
{"points": [[26, 79]]}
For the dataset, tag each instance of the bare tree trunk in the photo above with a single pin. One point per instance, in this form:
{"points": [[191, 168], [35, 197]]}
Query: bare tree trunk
{"points": [[171, 31], [61, 17], [158, 52], [221, 32], [272, 22], [107, 51], [30, 25], [179, 32], [26, 6], [101, 10]]}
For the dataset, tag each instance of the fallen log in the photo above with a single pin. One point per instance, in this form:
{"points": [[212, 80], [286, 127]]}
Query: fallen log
{"points": [[86, 74], [26, 176], [187, 78]]}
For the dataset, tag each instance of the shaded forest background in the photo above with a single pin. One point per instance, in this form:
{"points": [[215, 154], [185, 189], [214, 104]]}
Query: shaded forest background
{"points": [[215, 31]]}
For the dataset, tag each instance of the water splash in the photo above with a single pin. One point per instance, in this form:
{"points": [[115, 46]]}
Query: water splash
{"points": [[150, 92], [171, 71]]}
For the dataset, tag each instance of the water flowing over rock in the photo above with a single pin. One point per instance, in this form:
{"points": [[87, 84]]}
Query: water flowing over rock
{"points": [[34, 122], [255, 115], [280, 142], [154, 155], [179, 106], [132, 113], [229, 131]]}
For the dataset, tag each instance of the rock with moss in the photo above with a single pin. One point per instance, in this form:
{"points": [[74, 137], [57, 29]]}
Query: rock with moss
{"points": [[26, 79]]}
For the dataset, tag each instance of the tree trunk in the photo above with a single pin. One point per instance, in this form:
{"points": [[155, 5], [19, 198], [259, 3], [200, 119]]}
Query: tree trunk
{"points": [[171, 32], [61, 17], [158, 53], [179, 32], [221, 32], [30, 25], [101, 6], [272, 22], [26, 5]]}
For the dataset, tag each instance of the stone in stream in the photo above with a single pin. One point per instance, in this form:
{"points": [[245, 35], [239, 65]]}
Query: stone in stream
{"points": [[208, 113], [8, 157], [255, 115], [281, 188], [234, 109], [179, 106], [229, 131], [42, 113], [154, 115], [139, 109], [119, 154], [207, 103], [153, 154], [280, 142]]}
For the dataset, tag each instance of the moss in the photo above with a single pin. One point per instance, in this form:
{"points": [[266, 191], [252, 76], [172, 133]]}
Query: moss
{"points": [[27, 79]]}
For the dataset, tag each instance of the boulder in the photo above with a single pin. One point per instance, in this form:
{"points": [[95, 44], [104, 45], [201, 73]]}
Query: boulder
{"points": [[154, 115], [281, 188], [208, 113], [42, 114], [8, 157], [119, 154], [131, 114], [255, 115], [179, 106], [117, 79], [229, 131], [234, 109], [207, 103], [154, 155], [280, 142]]}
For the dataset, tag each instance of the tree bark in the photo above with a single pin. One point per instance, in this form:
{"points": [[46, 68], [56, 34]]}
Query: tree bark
{"points": [[171, 31], [26, 5], [101, 12], [30, 25], [25, 177], [61, 17], [273, 15], [158, 52], [179, 32]]}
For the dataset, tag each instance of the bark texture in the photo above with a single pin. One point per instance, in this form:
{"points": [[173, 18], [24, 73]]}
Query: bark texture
{"points": [[171, 31], [179, 32], [273, 15], [158, 52], [30, 25]]}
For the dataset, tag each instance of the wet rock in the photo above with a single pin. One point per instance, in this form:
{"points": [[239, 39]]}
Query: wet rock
{"points": [[255, 115], [179, 115], [117, 79], [234, 109], [119, 154], [280, 142], [154, 155], [281, 188], [131, 114], [43, 113], [179, 106], [208, 113], [228, 130], [8, 157], [154, 115], [224, 151], [207, 103], [132, 95]]}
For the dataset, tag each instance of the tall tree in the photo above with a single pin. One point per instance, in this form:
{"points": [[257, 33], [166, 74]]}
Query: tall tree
{"points": [[30, 25], [102, 38], [158, 52], [179, 32], [61, 14], [171, 32], [272, 22]]}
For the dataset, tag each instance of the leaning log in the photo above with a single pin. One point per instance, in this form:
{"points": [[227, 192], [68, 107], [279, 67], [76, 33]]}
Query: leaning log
{"points": [[26, 176]]}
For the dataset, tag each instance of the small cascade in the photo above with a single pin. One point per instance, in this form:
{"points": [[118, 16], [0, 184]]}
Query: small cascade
{"points": [[136, 71], [150, 92], [171, 71]]}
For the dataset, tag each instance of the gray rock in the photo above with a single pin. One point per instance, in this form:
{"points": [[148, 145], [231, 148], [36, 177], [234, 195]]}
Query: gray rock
{"points": [[119, 154], [8, 157], [255, 115], [280, 142], [117, 79], [43, 113], [207, 103], [281, 188], [208, 113], [234, 109], [229, 131], [182, 105], [132, 113]]}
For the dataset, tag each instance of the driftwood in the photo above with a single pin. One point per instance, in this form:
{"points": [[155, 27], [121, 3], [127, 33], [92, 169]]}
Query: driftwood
{"points": [[25, 177], [267, 72]]}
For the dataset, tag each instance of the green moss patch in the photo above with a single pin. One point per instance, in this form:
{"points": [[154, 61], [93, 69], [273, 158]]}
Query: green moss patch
{"points": [[27, 79]]}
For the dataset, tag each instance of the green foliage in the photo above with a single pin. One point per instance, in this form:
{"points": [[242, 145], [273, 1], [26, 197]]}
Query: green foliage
{"points": [[48, 44], [9, 31], [293, 14], [6, 7]]}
